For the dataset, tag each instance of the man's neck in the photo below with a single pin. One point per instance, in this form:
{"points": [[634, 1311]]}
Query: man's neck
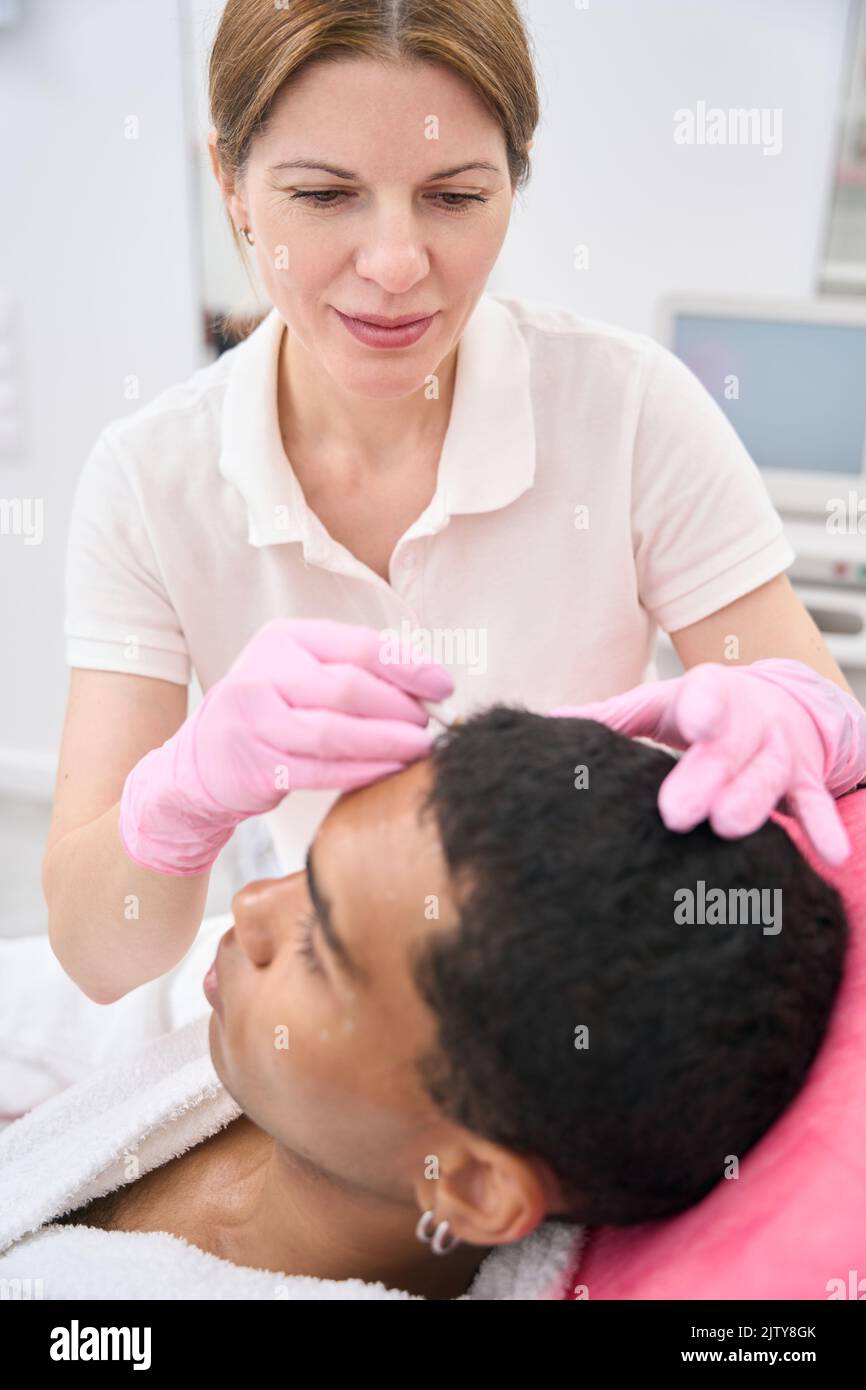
{"points": [[278, 1212]]}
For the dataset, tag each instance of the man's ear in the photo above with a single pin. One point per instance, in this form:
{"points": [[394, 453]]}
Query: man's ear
{"points": [[489, 1195]]}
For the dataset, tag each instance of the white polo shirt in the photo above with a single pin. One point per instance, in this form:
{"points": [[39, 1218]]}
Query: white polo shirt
{"points": [[589, 490]]}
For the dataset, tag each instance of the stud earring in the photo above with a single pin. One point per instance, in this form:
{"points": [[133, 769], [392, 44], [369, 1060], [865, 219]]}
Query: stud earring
{"points": [[437, 1241]]}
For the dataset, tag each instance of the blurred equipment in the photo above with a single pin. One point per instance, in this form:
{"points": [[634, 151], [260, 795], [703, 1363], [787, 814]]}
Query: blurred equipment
{"points": [[791, 378]]}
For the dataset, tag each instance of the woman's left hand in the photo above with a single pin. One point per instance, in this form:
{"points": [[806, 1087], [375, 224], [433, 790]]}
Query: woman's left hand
{"points": [[754, 735]]}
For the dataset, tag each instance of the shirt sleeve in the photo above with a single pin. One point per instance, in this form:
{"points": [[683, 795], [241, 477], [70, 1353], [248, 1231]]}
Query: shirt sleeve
{"points": [[704, 529], [119, 616]]}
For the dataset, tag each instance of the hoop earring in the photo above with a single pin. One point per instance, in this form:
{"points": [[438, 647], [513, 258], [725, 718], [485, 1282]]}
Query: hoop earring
{"points": [[249, 239], [437, 1241]]}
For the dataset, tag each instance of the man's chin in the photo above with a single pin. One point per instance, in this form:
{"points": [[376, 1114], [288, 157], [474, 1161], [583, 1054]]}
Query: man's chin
{"points": [[216, 1050], [222, 1069]]}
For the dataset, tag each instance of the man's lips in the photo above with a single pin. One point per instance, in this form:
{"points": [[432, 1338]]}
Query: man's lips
{"points": [[210, 984], [211, 990]]}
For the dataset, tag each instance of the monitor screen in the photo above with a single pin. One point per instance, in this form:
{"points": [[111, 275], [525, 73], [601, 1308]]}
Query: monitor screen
{"points": [[794, 392]]}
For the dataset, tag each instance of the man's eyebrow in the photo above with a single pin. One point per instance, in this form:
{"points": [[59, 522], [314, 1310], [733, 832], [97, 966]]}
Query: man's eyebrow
{"points": [[336, 943], [347, 174]]}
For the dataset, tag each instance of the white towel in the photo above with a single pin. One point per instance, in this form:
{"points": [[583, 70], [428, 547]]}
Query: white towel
{"points": [[134, 1114], [52, 1035]]}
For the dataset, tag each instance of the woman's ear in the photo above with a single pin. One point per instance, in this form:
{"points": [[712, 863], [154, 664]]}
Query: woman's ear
{"points": [[214, 157], [233, 203]]}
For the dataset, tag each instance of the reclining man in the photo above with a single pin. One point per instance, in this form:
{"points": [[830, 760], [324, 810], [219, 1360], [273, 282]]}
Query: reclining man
{"points": [[481, 1002]]}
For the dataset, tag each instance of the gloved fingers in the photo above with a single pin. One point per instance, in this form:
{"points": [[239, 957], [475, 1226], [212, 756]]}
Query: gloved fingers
{"points": [[290, 748], [690, 789], [815, 808], [328, 735], [331, 641], [343, 687], [745, 804], [734, 781], [343, 774], [702, 707], [642, 710], [279, 671], [720, 713]]}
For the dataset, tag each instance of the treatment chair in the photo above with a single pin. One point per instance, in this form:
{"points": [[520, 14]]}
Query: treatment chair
{"points": [[793, 1225]]}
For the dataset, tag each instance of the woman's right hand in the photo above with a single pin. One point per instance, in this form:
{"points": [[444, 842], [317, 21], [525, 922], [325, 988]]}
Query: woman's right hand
{"points": [[308, 703]]}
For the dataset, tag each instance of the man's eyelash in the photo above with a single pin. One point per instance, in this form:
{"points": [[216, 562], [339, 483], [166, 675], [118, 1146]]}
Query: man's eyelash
{"points": [[305, 946], [310, 196]]}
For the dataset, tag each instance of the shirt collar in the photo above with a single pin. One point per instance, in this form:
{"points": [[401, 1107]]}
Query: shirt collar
{"points": [[488, 454]]}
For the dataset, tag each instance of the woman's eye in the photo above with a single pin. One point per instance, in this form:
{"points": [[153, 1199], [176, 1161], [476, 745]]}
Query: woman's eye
{"points": [[323, 193], [312, 197], [465, 199]]}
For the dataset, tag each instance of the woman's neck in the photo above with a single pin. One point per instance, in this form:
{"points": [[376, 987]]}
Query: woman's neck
{"points": [[315, 413]]}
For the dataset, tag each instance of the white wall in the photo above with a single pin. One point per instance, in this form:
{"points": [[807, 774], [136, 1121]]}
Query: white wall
{"points": [[96, 256], [657, 216], [227, 283], [99, 245]]}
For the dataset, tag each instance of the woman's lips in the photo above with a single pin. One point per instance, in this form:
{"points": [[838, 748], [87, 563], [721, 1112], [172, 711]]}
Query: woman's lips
{"points": [[373, 336]]}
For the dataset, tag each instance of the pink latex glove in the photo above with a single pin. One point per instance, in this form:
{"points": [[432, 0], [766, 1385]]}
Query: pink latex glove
{"points": [[307, 703], [755, 734]]}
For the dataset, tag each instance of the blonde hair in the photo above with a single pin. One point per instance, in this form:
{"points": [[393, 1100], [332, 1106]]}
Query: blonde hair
{"points": [[262, 44]]}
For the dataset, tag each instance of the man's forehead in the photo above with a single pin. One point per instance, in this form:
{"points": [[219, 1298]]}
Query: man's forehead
{"points": [[381, 813], [379, 865], [376, 837]]}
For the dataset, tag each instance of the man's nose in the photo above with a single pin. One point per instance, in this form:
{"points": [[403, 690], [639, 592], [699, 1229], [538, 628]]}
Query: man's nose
{"points": [[259, 910]]}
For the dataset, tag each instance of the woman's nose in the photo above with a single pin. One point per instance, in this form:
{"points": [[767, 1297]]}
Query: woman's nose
{"points": [[394, 256], [259, 908]]}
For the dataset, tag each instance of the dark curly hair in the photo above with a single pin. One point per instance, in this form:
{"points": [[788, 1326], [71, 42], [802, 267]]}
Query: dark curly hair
{"points": [[699, 1035]]}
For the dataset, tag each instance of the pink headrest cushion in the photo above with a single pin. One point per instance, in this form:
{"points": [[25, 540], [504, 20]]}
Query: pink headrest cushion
{"points": [[795, 1218]]}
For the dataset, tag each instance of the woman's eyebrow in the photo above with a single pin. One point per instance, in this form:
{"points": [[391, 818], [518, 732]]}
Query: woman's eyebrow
{"points": [[335, 942], [346, 174]]}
